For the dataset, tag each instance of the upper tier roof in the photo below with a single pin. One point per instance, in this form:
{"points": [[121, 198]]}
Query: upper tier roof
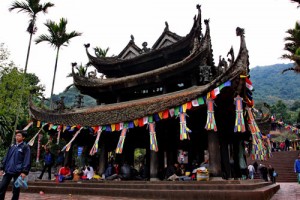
{"points": [[131, 110], [134, 60], [198, 56]]}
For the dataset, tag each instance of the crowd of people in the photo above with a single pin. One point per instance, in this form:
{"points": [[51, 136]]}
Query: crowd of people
{"points": [[282, 146], [16, 165], [266, 173]]}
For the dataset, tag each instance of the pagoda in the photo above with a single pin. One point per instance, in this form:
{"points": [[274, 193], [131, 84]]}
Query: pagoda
{"points": [[166, 98]]}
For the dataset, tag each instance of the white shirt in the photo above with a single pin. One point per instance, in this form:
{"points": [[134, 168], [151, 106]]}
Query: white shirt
{"points": [[251, 168], [89, 174]]}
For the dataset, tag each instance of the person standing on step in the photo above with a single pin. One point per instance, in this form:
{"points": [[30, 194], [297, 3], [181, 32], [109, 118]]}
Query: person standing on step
{"points": [[297, 167], [16, 163], [287, 144], [251, 171], [48, 162], [271, 173]]}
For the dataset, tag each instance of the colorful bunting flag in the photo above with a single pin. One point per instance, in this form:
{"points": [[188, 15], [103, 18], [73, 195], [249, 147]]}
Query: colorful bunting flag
{"points": [[31, 142], [94, 149], [258, 152], [153, 141], [28, 125], [120, 145], [68, 146], [38, 152], [184, 130], [239, 118], [210, 122]]}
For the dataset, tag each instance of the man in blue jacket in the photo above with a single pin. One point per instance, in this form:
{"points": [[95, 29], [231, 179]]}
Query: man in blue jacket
{"points": [[16, 163]]}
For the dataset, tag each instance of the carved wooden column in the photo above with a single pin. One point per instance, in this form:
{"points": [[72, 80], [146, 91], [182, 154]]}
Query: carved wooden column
{"points": [[154, 166], [214, 154], [102, 159]]}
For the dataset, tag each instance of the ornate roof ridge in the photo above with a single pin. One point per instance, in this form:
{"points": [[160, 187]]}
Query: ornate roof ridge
{"points": [[198, 49], [130, 110]]}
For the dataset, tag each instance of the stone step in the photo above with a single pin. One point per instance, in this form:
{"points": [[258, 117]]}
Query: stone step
{"points": [[243, 190], [171, 185], [283, 163]]}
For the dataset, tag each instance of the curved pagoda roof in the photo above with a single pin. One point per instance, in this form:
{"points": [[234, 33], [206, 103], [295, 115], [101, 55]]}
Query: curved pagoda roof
{"points": [[134, 60], [197, 57], [135, 109]]}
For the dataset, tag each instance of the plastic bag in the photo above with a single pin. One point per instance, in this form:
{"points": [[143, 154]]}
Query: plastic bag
{"points": [[22, 183]]}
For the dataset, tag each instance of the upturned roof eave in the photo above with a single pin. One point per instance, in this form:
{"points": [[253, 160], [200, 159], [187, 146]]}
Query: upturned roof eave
{"points": [[130, 110]]}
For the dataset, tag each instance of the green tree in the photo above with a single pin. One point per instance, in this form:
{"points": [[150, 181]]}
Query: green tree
{"points": [[32, 8], [292, 45], [58, 37], [281, 111], [295, 106], [101, 53], [10, 92], [11, 89]]}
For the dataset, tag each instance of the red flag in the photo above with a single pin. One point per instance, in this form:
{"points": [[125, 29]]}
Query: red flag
{"points": [[189, 105], [141, 122], [117, 127], [166, 114]]}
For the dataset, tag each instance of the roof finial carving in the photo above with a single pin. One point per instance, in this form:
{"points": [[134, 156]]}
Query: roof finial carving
{"points": [[87, 45], [230, 53], [167, 26], [145, 49], [240, 31], [132, 38], [206, 21]]}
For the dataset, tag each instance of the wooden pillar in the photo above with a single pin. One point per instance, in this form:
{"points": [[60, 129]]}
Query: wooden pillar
{"points": [[102, 159], [214, 154], [154, 166], [68, 157]]}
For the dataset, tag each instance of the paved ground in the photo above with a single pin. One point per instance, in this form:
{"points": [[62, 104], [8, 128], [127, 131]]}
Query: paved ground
{"points": [[288, 191]]}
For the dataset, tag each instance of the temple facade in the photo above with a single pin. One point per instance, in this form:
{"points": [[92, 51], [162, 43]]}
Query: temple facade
{"points": [[167, 99]]}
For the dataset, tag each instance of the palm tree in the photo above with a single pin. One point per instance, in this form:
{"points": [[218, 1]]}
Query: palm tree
{"points": [[32, 8], [292, 45], [101, 53], [58, 37]]}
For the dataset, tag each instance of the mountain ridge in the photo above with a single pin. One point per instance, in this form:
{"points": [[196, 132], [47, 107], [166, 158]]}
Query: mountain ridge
{"points": [[270, 85]]}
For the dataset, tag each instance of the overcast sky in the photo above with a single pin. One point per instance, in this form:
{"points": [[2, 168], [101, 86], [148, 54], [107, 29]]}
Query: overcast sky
{"points": [[110, 24]]}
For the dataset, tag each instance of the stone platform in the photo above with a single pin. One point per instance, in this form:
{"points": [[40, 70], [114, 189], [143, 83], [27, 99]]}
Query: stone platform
{"points": [[221, 189]]}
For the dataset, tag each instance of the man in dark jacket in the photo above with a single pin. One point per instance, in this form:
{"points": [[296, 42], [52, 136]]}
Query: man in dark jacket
{"points": [[48, 162], [16, 163]]}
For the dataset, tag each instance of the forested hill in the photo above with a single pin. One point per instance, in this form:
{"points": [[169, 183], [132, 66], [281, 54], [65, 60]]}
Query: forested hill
{"points": [[271, 85]]}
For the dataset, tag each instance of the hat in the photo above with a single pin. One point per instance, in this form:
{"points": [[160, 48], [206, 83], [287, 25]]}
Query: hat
{"points": [[23, 132]]}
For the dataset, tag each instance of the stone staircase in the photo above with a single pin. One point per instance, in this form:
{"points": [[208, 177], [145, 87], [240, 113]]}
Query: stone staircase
{"points": [[283, 163], [215, 189]]}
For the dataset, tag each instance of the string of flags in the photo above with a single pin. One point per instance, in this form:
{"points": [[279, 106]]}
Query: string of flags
{"points": [[258, 149], [289, 127], [178, 111]]}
